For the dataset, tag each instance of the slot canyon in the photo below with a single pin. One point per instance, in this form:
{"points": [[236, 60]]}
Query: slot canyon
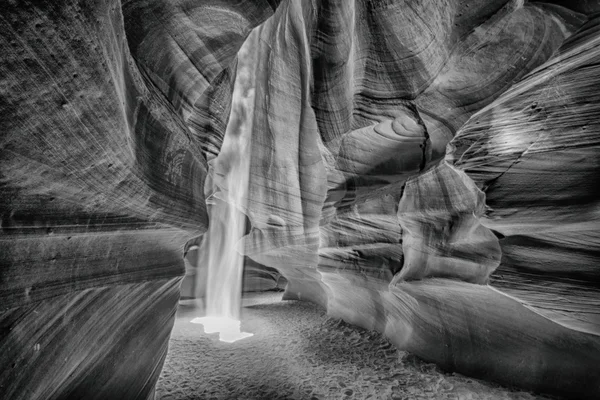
{"points": [[423, 178]]}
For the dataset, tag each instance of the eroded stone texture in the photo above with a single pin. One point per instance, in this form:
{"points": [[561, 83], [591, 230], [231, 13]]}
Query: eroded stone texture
{"points": [[444, 202], [103, 158], [389, 91], [535, 153], [480, 256]]}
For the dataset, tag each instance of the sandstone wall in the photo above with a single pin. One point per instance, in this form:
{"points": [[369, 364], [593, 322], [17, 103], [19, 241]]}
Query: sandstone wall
{"points": [[426, 169]]}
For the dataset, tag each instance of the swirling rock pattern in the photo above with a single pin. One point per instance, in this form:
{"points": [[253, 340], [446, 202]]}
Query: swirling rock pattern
{"points": [[102, 167], [426, 169], [538, 144]]}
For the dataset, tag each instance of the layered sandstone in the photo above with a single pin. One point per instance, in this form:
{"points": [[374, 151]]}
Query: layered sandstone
{"points": [[426, 169]]}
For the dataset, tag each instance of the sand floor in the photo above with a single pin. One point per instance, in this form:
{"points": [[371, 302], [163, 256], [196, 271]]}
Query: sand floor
{"points": [[297, 352]]}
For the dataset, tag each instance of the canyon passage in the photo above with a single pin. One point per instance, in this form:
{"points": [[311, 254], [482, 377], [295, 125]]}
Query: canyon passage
{"points": [[424, 172]]}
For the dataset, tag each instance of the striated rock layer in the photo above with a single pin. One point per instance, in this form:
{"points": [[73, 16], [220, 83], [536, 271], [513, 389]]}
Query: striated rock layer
{"points": [[358, 202], [103, 158], [426, 169]]}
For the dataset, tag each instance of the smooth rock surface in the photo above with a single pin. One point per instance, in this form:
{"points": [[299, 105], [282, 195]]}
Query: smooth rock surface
{"points": [[425, 169], [103, 158]]}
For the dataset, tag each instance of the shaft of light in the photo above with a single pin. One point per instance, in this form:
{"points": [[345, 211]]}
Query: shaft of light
{"points": [[227, 190]]}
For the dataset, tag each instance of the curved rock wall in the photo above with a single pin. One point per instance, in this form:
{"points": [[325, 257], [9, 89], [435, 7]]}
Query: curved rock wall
{"points": [[437, 247], [535, 153], [426, 169], [103, 157]]}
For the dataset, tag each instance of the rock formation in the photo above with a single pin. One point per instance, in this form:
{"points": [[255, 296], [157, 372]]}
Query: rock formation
{"points": [[426, 169]]}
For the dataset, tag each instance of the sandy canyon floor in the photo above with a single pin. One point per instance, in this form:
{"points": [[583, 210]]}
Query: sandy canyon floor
{"points": [[297, 352]]}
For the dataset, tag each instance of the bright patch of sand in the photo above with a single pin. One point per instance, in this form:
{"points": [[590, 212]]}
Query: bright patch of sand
{"points": [[297, 352]]}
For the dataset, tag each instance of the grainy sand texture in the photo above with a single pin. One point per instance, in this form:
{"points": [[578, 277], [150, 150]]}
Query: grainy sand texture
{"points": [[297, 352]]}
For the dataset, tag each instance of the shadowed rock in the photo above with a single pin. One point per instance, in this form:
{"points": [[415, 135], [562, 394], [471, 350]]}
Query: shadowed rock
{"points": [[426, 169], [103, 157]]}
